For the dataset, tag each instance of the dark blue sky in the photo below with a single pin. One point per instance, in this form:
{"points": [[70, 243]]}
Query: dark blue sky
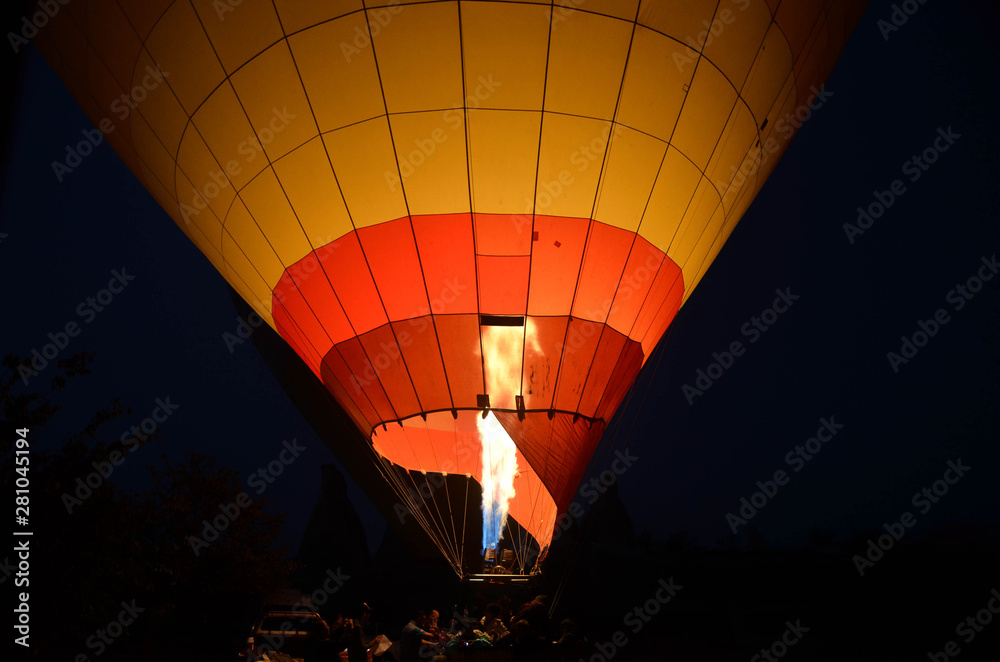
{"points": [[826, 356]]}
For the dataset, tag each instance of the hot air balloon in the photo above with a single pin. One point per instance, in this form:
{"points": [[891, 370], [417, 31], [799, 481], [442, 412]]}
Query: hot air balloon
{"points": [[473, 220]]}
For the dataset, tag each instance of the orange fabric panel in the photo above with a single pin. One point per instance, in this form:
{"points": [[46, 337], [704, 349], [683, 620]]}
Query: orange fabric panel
{"points": [[559, 450], [445, 445], [386, 358], [502, 234], [448, 258], [418, 341], [459, 338], [293, 336], [555, 263], [348, 271], [288, 297], [108, 91], [144, 15], [609, 350], [311, 280], [643, 263], [629, 363], [392, 256], [541, 366], [578, 355], [366, 378], [121, 52], [503, 284], [663, 318], [607, 251], [668, 277], [343, 384], [797, 18]]}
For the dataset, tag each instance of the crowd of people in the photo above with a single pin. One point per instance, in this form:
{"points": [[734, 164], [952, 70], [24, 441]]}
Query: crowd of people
{"points": [[526, 631]]}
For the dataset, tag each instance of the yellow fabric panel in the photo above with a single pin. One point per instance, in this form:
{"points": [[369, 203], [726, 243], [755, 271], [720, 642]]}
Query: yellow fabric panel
{"points": [[797, 19], [704, 115], [272, 96], [159, 193], [705, 255], [300, 14], [654, 85], [735, 141], [342, 88], [208, 247], [362, 155], [181, 48], [572, 151], [778, 128], [118, 53], [241, 270], [680, 19], [248, 295], [144, 15], [160, 108], [735, 184], [240, 34], [768, 74], [269, 207], [160, 163], [313, 191], [431, 154], [740, 32], [418, 40], [708, 238], [675, 184], [625, 9], [203, 174], [633, 160], [204, 219], [503, 148], [703, 208], [504, 44], [251, 243], [586, 63], [105, 88], [225, 129], [811, 64]]}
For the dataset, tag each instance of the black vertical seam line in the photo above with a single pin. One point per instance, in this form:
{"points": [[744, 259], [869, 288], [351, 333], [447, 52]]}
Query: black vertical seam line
{"points": [[475, 262], [364, 393], [144, 49], [263, 234], [531, 242], [86, 84], [612, 373], [409, 220], [820, 20], [322, 267], [538, 160], [666, 150], [237, 194], [472, 209], [534, 198], [593, 209]]}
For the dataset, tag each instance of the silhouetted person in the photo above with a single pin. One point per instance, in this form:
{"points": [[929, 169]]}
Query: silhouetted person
{"points": [[357, 644], [491, 623], [322, 648], [536, 613], [526, 642]]}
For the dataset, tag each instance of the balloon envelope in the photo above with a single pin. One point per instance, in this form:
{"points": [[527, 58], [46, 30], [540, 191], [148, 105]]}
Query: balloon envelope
{"points": [[452, 207]]}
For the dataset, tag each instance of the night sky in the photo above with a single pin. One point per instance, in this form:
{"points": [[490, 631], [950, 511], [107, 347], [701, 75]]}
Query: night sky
{"points": [[826, 357]]}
